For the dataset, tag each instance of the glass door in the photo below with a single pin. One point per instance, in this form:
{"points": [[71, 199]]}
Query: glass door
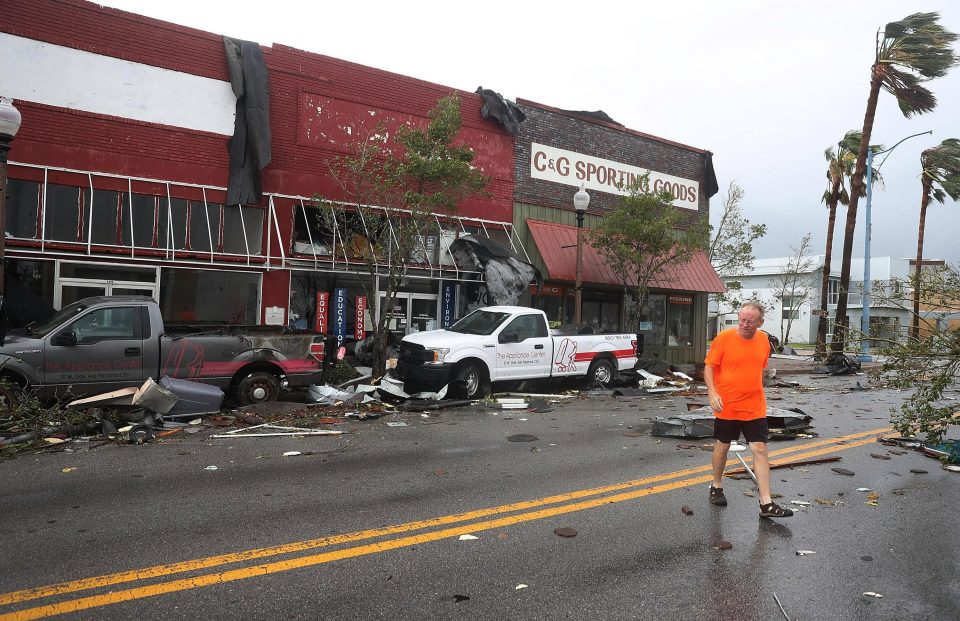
{"points": [[70, 291]]}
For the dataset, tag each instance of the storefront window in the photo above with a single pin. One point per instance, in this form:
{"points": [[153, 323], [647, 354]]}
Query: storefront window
{"points": [[210, 296], [62, 212], [142, 219], [105, 218], [680, 319], [178, 225], [22, 201], [28, 289], [204, 226], [310, 237], [599, 311], [242, 234]]}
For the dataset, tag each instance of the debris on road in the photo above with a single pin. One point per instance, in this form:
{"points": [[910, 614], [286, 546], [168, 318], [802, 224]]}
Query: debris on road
{"points": [[791, 464], [522, 437], [565, 532], [468, 537], [520, 586], [843, 471], [723, 545], [872, 594], [805, 552], [686, 510]]}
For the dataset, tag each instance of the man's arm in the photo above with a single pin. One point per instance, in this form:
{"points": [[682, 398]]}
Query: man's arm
{"points": [[715, 401]]}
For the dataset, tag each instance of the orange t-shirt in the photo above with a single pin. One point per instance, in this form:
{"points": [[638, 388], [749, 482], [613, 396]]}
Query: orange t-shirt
{"points": [[738, 365]]}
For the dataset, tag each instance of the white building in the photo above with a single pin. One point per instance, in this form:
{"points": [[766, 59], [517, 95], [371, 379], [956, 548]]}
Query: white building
{"points": [[771, 282]]}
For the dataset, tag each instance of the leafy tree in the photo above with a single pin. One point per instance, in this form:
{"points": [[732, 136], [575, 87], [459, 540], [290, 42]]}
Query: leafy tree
{"points": [[940, 178], [396, 191], [840, 165], [908, 52], [794, 284], [731, 243], [644, 235], [930, 365]]}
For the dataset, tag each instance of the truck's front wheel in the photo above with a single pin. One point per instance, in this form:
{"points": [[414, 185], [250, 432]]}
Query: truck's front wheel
{"points": [[258, 387], [471, 382], [602, 372]]}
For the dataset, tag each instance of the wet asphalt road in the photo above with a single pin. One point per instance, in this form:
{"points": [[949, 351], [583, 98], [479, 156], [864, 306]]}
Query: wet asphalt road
{"points": [[635, 554]]}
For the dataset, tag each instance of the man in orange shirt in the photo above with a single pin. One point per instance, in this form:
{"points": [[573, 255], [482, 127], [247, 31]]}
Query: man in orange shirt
{"points": [[734, 378]]}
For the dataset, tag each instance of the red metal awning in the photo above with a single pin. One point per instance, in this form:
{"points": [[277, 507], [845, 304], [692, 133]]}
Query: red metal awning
{"points": [[558, 247]]}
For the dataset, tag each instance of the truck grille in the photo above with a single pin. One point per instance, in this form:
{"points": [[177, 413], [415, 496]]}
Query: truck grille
{"points": [[411, 353]]}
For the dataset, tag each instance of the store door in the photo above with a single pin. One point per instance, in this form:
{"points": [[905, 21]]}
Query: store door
{"points": [[413, 312], [76, 281]]}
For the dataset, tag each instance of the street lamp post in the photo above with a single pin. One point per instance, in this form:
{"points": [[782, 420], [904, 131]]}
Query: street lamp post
{"points": [[865, 319], [9, 124], [580, 202]]}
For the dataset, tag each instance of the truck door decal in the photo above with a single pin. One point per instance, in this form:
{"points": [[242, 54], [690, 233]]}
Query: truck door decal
{"points": [[565, 358], [184, 360]]}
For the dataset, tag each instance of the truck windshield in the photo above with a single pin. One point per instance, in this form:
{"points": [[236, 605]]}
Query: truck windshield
{"points": [[42, 329], [480, 322]]}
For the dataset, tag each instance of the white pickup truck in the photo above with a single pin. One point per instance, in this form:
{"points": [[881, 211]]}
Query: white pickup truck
{"points": [[503, 344]]}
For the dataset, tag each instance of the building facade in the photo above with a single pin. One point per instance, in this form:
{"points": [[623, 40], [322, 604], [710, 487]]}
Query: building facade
{"points": [[790, 290], [122, 166]]}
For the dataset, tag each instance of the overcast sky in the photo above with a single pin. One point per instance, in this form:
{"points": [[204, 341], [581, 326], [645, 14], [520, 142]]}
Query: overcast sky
{"points": [[766, 86]]}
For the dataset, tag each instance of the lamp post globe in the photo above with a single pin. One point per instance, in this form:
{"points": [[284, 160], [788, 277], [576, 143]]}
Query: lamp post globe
{"points": [[581, 200], [9, 125]]}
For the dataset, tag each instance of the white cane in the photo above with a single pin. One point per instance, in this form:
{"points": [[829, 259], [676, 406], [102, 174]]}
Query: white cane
{"points": [[738, 448]]}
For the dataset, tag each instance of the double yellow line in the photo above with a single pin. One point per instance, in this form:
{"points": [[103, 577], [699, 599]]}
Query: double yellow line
{"points": [[520, 512]]}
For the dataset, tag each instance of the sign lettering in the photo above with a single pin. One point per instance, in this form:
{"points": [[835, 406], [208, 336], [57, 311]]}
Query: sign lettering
{"points": [[340, 315], [323, 302], [358, 330], [593, 173]]}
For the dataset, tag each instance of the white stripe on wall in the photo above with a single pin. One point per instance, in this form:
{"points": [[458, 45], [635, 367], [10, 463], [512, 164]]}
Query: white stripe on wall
{"points": [[54, 75]]}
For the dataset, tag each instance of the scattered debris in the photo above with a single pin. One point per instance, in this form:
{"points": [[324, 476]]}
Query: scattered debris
{"points": [[520, 586], [838, 363], [468, 537], [863, 489], [396, 423], [843, 471], [460, 598], [873, 499], [825, 502], [280, 430], [952, 468], [292, 453], [872, 594], [565, 532], [686, 510], [918, 471], [805, 552], [68, 470], [512, 404], [879, 456], [800, 503], [866, 557], [210, 468], [723, 545]]}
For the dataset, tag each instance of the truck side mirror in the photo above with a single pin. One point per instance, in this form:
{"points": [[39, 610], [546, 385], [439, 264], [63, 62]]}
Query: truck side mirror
{"points": [[509, 337], [66, 339]]}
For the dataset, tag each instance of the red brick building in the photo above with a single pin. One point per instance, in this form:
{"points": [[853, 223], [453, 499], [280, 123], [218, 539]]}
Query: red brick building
{"points": [[120, 170]]}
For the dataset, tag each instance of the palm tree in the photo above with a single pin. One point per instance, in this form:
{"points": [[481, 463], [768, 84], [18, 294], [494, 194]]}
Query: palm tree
{"points": [[940, 166], [909, 52], [840, 165]]}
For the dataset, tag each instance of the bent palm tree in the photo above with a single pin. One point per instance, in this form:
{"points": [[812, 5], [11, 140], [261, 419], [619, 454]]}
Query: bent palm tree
{"points": [[909, 52], [940, 178], [840, 166]]}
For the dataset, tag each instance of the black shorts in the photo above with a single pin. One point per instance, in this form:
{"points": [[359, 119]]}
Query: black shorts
{"points": [[727, 431]]}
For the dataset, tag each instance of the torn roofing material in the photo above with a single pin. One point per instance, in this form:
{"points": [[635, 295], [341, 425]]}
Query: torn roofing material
{"points": [[557, 245], [507, 276], [503, 110], [250, 147]]}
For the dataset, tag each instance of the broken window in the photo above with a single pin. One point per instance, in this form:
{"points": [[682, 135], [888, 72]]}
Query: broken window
{"points": [[22, 203], [310, 235]]}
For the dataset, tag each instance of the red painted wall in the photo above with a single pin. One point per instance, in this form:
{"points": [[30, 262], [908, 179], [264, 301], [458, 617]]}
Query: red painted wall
{"points": [[67, 138]]}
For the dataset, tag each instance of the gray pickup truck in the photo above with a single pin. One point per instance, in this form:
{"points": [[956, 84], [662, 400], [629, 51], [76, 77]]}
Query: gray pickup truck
{"points": [[101, 344]]}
